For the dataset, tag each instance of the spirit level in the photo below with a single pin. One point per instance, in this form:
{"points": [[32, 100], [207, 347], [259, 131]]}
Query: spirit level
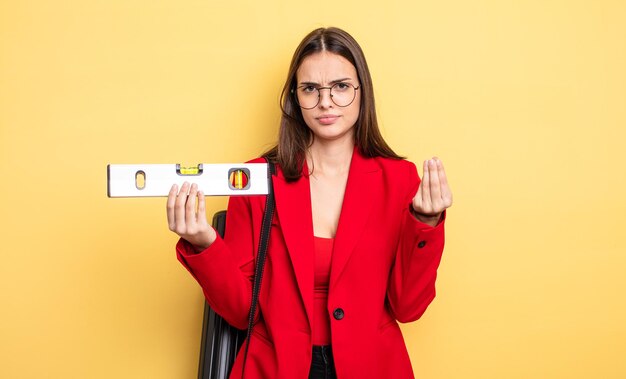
{"points": [[216, 179]]}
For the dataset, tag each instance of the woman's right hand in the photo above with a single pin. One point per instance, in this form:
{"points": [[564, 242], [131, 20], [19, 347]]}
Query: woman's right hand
{"points": [[184, 220]]}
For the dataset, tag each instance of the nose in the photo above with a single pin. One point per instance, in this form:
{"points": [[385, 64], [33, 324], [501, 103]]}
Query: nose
{"points": [[326, 100]]}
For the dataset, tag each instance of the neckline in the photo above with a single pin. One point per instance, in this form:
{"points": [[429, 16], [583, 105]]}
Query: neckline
{"points": [[324, 238]]}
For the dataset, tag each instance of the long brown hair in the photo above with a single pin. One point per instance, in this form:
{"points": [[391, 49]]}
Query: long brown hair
{"points": [[294, 136]]}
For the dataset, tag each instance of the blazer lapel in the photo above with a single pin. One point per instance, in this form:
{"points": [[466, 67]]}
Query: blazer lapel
{"points": [[363, 187], [293, 205]]}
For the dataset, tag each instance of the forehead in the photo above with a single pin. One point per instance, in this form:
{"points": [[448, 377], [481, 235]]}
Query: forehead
{"points": [[324, 67]]}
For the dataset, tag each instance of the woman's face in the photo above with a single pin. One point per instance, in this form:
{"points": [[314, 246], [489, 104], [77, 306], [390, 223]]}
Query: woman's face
{"points": [[327, 120]]}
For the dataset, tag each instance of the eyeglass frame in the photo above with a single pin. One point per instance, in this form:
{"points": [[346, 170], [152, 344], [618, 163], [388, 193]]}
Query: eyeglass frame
{"points": [[319, 94]]}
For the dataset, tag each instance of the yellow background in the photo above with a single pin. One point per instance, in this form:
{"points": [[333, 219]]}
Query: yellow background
{"points": [[525, 102]]}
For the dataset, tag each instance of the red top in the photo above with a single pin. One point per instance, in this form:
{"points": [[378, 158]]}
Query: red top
{"points": [[321, 317]]}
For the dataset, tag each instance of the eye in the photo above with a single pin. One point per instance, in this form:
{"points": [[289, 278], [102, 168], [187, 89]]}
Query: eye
{"points": [[341, 86], [308, 89]]}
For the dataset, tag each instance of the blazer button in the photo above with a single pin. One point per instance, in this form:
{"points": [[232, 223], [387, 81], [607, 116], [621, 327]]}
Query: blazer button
{"points": [[338, 314], [421, 244]]}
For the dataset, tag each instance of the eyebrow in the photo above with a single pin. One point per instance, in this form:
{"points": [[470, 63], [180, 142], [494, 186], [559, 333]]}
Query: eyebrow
{"points": [[330, 83]]}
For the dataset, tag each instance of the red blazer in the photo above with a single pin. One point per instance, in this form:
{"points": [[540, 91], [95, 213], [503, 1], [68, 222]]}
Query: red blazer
{"points": [[383, 270]]}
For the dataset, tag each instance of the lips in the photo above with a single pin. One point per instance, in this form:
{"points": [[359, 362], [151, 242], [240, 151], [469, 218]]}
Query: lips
{"points": [[327, 119]]}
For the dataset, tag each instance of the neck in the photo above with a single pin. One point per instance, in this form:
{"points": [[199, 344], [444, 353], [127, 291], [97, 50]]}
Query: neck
{"points": [[330, 157]]}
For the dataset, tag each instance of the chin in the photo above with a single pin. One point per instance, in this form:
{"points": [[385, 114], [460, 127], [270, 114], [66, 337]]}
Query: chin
{"points": [[332, 135]]}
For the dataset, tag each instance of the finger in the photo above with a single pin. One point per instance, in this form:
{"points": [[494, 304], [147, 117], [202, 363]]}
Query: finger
{"points": [[446, 193], [435, 188], [426, 188], [201, 209], [179, 210], [190, 212], [171, 202], [417, 199]]}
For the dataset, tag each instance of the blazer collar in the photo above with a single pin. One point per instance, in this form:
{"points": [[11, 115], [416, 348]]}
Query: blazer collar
{"points": [[293, 206]]}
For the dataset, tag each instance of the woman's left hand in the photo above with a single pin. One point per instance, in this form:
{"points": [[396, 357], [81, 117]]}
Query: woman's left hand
{"points": [[433, 195]]}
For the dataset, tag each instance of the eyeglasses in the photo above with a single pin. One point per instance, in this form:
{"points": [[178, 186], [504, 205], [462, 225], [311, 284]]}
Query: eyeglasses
{"points": [[342, 94]]}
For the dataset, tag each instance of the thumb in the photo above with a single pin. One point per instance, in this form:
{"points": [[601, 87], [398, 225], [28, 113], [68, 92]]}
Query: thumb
{"points": [[417, 200]]}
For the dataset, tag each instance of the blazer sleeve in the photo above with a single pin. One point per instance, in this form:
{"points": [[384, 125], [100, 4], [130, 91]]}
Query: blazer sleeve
{"points": [[411, 286], [225, 269]]}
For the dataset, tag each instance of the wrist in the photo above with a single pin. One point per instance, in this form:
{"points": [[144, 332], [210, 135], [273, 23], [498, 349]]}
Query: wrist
{"points": [[198, 248], [204, 243], [429, 219]]}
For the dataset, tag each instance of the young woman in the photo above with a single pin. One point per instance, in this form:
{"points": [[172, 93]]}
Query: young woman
{"points": [[355, 242]]}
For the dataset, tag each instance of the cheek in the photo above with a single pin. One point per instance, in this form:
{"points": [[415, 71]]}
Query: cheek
{"points": [[355, 107], [354, 113], [308, 118]]}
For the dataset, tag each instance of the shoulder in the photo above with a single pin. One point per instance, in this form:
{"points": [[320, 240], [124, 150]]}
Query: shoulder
{"points": [[399, 176], [395, 166], [257, 160]]}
